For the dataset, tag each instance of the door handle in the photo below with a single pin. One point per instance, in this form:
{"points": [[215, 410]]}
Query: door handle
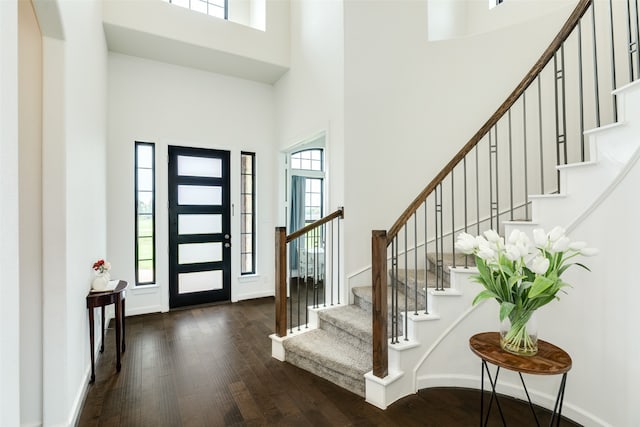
{"points": [[227, 245], [227, 236]]}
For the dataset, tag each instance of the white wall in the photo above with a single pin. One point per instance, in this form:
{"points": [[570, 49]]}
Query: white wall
{"points": [[74, 194], [85, 134], [449, 19], [160, 31], [310, 97], [9, 247], [163, 19], [410, 104], [171, 105], [30, 185], [511, 13], [446, 19], [604, 344]]}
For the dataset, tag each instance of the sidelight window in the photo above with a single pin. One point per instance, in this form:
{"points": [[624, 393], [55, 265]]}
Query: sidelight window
{"points": [[145, 229], [247, 214]]}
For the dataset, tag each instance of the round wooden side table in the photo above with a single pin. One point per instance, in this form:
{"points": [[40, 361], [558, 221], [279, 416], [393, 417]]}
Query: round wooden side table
{"points": [[550, 360]]}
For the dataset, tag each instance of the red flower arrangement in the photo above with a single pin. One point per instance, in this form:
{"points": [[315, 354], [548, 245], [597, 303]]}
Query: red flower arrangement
{"points": [[101, 266]]}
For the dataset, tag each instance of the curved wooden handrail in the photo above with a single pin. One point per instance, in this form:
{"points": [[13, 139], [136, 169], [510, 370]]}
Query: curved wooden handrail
{"points": [[339, 213], [548, 54]]}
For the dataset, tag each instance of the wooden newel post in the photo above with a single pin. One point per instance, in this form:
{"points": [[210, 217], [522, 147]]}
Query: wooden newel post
{"points": [[380, 310], [281, 281]]}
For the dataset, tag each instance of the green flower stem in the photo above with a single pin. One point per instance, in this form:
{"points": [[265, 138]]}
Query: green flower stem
{"points": [[517, 339]]}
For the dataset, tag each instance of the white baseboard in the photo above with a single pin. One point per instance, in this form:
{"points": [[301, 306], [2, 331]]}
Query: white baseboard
{"points": [[253, 295], [78, 402], [143, 310]]}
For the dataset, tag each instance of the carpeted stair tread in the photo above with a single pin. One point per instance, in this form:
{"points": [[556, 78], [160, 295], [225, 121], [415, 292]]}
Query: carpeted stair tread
{"points": [[363, 296], [322, 354], [349, 319], [447, 260], [431, 278]]}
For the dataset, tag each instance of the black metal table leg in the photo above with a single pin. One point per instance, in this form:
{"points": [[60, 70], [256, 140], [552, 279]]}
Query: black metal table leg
{"points": [[493, 382]]}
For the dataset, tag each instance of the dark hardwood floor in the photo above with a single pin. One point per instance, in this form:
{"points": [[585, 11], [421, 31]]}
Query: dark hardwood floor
{"points": [[212, 366]]}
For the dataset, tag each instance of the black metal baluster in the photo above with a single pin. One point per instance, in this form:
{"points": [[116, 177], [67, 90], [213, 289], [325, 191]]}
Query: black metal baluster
{"points": [[415, 261], [540, 135], [613, 62], [314, 248], [298, 282], [596, 85], [630, 43], [453, 219], [466, 219], [426, 262], [333, 252], [289, 297], [637, 22], [440, 240], [338, 269], [561, 117], [564, 110], [306, 278], [493, 178], [581, 92], [323, 236], [393, 291], [477, 192], [526, 163], [510, 166], [395, 304], [406, 285], [438, 207]]}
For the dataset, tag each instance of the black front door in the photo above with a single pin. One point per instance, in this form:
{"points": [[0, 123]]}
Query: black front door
{"points": [[199, 226]]}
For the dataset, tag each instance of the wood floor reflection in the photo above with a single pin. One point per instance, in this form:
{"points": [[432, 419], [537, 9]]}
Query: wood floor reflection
{"points": [[212, 366]]}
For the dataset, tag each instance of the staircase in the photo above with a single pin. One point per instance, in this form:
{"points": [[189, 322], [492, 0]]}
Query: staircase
{"points": [[419, 333], [339, 347]]}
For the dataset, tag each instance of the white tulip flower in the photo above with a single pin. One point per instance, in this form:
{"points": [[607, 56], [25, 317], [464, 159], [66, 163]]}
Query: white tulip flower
{"points": [[492, 236], [524, 248], [512, 253], [577, 246], [561, 245], [466, 243], [556, 233], [514, 237], [539, 265], [481, 241], [539, 238], [589, 251], [486, 253]]}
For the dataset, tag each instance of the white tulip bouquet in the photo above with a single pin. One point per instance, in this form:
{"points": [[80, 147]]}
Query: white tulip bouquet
{"points": [[521, 276]]}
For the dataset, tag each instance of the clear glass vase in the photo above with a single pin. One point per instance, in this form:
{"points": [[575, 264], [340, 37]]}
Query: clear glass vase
{"points": [[519, 333]]}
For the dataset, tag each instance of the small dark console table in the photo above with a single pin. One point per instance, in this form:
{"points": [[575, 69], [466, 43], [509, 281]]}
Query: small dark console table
{"points": [[102, 299], [550, 360]]}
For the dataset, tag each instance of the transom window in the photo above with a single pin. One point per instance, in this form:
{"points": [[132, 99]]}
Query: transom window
{"points": [[217, 8], [307, 160]]}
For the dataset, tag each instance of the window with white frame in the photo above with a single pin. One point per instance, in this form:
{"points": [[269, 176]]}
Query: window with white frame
{"points": [[217, 8]]}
